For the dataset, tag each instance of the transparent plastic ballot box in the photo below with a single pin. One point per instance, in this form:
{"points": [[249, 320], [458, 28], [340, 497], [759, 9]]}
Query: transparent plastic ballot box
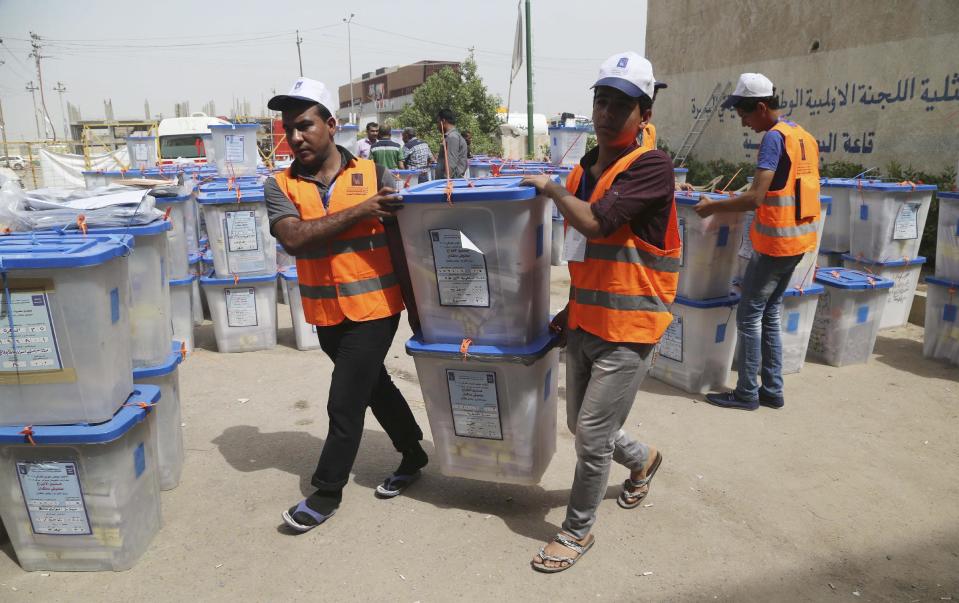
{"points": [[166, 376], [888, 219], [696, 351], [947, 243], [175, 208], [941, 336], [243, 310], [479, 264], [567, 144], [239, 232], [492, 410], [407, 178], [835, 234], [83, 497], [904, 275], [196, 302], [99, 178], [304, 332], [847, 316], [708, 261], [150, 327], [64, 327], [181, 310], [798, 314], [346, 137], [234, 148], [142, 151]]}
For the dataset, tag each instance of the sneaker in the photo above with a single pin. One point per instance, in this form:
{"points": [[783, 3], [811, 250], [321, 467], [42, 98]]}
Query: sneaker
{"points": [[771, 401], [729, 400]]}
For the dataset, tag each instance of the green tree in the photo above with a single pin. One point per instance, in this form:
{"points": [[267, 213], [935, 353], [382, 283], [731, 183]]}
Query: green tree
{"points": [[465, 94]]}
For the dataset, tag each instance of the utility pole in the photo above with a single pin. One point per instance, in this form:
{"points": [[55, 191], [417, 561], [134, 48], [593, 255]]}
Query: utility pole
{"points": [[35, 43], [32, 90], [349, 56], [530, 144], [60, 89], [299, 55]]}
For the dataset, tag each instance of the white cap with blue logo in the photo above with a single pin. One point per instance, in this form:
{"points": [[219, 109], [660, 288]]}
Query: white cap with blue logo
{"points": [[304, 89], [750, 85], [630, 73]]}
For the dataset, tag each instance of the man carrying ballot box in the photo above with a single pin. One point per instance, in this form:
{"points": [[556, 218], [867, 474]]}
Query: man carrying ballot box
{"points": [[785, 195], [623, 248]]}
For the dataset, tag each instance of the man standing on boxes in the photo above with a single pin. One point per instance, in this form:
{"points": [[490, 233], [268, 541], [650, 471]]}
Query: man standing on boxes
{"points": [[785, 196], [623, 247], [329, 209]]}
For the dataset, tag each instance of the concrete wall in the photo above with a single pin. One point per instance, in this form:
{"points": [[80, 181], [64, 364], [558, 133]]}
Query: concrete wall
{"points": [[882, 86]]}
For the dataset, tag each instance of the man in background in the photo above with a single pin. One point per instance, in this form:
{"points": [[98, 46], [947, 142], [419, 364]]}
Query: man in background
{"points": [[416, 153], [452, 161], [386, 152], [363, 147]]}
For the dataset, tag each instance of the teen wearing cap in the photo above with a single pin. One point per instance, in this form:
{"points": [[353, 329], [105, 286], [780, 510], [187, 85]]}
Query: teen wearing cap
{"points": [[328, 209], [785, 195], [623, 248]]}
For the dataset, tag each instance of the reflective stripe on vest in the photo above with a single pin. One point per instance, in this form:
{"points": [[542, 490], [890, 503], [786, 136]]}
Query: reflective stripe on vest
{"points": [[352, 275], [622, 289], [787, 225]]}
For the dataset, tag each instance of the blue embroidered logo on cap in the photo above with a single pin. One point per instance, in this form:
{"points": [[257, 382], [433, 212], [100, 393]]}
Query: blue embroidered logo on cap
{"points": [[622, 62], [297, 85]]}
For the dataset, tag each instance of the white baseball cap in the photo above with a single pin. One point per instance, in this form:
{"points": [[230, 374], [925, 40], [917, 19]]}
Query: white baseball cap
{"points": [[304, 89], [750, 85], [630, 73]]}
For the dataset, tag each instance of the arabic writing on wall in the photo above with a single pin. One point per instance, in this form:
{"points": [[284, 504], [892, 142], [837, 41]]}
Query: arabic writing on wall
{"points": [[851, 142], [849, 94]]}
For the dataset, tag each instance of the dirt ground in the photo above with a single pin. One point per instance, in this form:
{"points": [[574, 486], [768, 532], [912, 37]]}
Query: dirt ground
{"points": [[848, 493]]}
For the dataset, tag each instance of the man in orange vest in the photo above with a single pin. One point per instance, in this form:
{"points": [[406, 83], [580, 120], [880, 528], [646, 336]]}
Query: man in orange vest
{"points": [[328, 209], [623, 248], [785, 196]]}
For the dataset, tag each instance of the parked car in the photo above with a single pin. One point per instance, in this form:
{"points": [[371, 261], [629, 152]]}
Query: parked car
{"points": [[13, 161]]}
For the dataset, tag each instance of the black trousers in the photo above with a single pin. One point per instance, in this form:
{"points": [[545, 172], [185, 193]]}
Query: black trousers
{"points": [[360, 380]]}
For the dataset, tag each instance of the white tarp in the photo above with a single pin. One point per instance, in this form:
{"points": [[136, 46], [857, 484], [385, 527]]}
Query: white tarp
{"points": [[65, 170]]}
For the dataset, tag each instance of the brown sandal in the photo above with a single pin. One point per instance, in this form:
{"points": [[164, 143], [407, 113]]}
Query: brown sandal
{"points": [[629, 499]]}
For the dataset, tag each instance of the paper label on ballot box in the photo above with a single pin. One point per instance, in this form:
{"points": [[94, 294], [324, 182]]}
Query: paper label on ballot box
{"points": [[475, 405]]}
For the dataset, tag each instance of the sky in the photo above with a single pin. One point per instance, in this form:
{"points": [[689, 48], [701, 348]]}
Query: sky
{"points": [[180, 50]]}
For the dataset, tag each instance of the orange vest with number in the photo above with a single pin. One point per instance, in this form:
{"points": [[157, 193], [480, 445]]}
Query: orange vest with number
{"points": [[787, 222], [649, 137], [350, 276], [622, 290]]}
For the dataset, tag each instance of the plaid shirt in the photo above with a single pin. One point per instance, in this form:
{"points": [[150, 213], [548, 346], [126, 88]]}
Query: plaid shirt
{"points": [[416, 154]]}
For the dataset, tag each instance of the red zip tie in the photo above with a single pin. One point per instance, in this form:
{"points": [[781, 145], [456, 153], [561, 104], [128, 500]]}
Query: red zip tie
{"points": [[82, 223], [465, 346], [239, 195], [27, 433], [142, 405], [182, 350], [236, 279], [166, 214]]}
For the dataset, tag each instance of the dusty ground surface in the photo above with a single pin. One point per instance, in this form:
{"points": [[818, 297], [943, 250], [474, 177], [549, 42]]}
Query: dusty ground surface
{"points": [[848, 493]]}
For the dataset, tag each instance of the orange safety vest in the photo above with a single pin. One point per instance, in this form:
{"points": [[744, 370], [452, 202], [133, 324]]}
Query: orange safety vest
{"points": [[649, 137], [350, 276], [788, 220], [622, 290]]}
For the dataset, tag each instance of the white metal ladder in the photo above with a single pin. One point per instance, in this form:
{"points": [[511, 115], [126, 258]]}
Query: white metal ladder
{"points": [[703, 117]]}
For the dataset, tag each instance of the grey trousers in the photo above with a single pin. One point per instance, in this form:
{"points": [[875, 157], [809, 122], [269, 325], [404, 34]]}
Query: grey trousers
{"points": [[602, 379]]}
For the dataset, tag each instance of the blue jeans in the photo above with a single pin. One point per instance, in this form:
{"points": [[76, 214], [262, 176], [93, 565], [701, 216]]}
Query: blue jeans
{"points": [[758, 322]]}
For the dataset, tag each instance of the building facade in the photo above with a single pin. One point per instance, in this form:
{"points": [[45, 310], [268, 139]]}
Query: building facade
{"points": [[383, 93], [874, 82]]}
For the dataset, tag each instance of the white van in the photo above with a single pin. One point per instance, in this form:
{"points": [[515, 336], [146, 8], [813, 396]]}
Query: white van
{"points": [[186, 138]]}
